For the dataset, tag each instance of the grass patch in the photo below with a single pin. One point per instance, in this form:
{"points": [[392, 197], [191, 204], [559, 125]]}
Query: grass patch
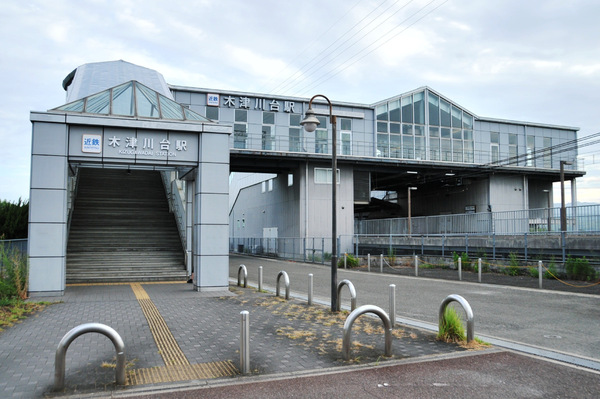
{"points": [[12, 312], [452, 328]]}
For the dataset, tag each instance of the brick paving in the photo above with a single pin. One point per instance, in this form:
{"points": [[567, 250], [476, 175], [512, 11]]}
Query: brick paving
{"points": [[285, 337]]}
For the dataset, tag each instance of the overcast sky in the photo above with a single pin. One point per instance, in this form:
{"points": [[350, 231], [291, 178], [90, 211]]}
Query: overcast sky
{"points": [[536, 61]]}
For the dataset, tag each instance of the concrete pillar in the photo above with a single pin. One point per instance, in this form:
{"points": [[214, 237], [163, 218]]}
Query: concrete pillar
{"points": [[48, 196], [210, 214]]}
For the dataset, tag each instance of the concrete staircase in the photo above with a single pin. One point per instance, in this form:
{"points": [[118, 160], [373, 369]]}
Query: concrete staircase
{"points": [[122, 230]]}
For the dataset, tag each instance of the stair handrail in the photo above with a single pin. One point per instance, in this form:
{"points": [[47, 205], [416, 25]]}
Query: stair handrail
{"points": [[176, 206]]}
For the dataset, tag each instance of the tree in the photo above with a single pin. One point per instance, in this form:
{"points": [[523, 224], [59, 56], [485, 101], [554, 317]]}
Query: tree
{"points": [[14, 218]]}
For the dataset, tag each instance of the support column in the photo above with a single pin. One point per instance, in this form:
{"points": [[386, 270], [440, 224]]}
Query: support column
{"points": [[210, 214], [574, 203], [48, 208]]}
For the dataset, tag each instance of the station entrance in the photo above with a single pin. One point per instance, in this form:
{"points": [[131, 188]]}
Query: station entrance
{"points": [[104, 206]]}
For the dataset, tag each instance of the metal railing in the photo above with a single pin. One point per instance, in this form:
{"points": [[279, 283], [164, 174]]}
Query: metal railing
{"points": [[176, 205], [385, 149], [311, 249], [579, 219]]}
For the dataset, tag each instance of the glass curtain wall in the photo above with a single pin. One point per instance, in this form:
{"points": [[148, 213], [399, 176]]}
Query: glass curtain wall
{"points": [[405, 130]]}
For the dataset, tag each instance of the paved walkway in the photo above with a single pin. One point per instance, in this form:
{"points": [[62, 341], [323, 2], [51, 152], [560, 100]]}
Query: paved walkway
{"points": [[178, 340], [558, 321]]}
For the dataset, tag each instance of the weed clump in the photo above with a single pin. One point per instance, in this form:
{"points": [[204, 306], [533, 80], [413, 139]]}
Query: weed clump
{"points": [[451, 328]]}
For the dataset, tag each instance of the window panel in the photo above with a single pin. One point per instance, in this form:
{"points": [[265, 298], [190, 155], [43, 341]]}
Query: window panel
{"points": [[240, 134], [321, 141], [407, 109], [467, 121], [434, 149], [469, 152], [269, 118], [408, 147], [96, 104], [419, 147], [122, 102], [456, 117], [530, 150], [212, 113], [346, 124], [434, 109], [457, 147], [547, 152], [444, 113], [295, 119], [241, 115], [147, 102], [395, 111], [295, 139], [382, 112], [446, 150], [346, 138], [383, 145], [419, 105], [382, 127], [394, 127], [268, 137], [395, 146]]}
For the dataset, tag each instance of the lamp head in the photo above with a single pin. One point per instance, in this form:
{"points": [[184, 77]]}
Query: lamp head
{"points": [[310, 121]]}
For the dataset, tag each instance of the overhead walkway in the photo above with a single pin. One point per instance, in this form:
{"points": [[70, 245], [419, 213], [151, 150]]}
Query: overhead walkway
{"points": [[122, 230]]}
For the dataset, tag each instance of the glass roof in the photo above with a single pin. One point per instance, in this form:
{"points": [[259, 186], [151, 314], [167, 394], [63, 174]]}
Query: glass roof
{"points": [[132, 99]]}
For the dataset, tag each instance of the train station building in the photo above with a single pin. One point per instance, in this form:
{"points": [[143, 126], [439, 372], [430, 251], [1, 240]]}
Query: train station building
{"points": [[137, 179]]}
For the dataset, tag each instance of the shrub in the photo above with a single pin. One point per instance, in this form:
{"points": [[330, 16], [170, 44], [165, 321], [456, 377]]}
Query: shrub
{"points": [[551, 271], [465, 262], [451, 327], [351, 261], [392, 255], [513, 265], [13, 273], [534, 272], [579, 269]]}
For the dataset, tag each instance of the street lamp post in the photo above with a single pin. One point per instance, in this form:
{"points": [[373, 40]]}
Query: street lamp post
{"points": [[563, 209], [310, 123], [410, 211]]}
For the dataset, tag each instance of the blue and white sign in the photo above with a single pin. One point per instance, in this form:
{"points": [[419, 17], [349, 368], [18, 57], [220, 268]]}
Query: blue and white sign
{"points": [[91, 143], [212, 100]]}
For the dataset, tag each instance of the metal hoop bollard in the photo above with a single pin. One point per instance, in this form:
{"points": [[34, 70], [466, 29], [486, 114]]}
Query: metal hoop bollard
{"points": [[286, 280], [352, 294], [465, 305], [243, 268], [387, 324], [63, 345]]}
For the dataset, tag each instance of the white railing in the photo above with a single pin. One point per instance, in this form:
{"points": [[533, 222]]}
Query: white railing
{"points": [[579, 219]]}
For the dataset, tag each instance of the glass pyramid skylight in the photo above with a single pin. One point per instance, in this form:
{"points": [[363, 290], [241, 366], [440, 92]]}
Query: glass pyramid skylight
{"points": [[132, 99]]}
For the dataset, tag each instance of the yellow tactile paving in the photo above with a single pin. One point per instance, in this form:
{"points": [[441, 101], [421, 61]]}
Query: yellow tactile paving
{"points": [[177, 367], [201, 371], [166, 343]]}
